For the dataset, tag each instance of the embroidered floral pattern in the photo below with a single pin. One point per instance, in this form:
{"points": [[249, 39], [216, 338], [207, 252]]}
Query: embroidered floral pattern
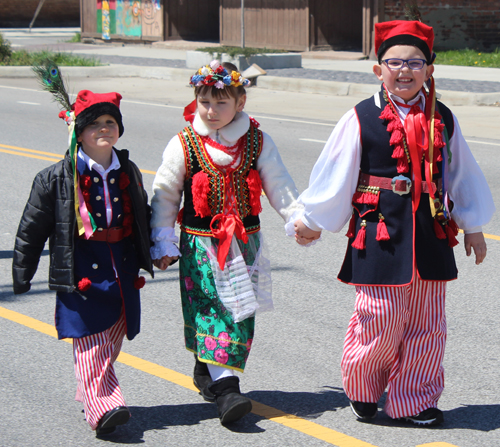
{"points": [[209, 329]]}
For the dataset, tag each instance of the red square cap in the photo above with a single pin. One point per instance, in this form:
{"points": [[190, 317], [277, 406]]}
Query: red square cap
{"points": [[404, 32], [89, 106]]}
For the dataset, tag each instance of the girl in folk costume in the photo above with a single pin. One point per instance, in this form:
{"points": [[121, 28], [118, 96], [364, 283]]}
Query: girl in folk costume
{"points": [[398, 167], [94, 210], [221, 162]]}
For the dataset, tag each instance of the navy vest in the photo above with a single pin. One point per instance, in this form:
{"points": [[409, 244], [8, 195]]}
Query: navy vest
{"points": [[412, 237], [111, 268]]}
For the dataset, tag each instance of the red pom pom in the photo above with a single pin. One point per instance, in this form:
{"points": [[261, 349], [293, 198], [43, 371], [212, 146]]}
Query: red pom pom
{"points": [[452, 240], [382, 233], [124, 181], [360, 241], [84, 284], [255, 189], [139, 282], [85, 182], [180, 216], [438, 229], [352, 228], [201, 189]]}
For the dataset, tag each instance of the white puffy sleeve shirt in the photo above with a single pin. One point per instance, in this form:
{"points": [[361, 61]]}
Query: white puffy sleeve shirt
{"points": [[334, 178]]}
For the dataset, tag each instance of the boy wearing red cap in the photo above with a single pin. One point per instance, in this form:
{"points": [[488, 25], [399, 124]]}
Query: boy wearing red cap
{"points": [[94, 210], [398, 167]]}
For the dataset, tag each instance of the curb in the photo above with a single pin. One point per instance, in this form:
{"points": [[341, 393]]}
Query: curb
{"points": [[297, 85]]}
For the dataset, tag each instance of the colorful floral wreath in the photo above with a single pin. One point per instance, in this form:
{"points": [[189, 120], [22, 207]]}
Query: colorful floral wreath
{"points": [[215, 74]]}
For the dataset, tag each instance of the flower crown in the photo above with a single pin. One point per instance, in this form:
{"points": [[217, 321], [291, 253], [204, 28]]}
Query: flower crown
{"points": [[215, 74]]}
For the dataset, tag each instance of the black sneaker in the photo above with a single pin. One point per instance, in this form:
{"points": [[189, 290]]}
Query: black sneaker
{"points": [[429, 417], [364, 410]]}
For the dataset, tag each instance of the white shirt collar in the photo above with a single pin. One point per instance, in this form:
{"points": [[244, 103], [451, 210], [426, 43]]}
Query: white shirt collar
{"points": [[416, 100], [228, 134], [115, 163]]}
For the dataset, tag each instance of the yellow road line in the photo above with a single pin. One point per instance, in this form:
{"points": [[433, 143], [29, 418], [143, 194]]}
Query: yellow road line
{"points": [[294, 422], [59, 157]]}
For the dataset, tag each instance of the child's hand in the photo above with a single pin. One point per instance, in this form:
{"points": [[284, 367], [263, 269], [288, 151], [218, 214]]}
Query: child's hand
{"points": [[303, 234], [477, 243], [164, 262]]}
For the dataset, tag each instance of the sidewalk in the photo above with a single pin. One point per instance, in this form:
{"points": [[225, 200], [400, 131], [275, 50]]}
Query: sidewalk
{"points": [[329, 72]]}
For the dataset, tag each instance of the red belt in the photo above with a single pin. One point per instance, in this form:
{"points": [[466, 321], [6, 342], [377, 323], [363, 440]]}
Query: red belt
{"points": [[111, 235], [399, 184]]}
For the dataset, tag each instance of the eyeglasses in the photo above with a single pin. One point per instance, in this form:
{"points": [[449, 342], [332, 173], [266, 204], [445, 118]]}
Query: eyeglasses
{"points": [[398, 64]]}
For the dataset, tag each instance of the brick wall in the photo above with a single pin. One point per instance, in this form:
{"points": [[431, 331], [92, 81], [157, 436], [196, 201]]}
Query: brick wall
{"points": [[53, 13], [457, 24]]}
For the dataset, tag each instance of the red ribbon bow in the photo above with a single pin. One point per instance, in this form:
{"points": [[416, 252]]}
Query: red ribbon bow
{"points": [[229, 224], [190, 111], [418, 140]]}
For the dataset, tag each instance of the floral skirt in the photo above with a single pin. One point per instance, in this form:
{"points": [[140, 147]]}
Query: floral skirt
{"points": [[209, 328]]}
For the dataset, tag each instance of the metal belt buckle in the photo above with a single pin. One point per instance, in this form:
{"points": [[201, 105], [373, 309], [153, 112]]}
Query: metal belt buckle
{"points": [[401, 178]]}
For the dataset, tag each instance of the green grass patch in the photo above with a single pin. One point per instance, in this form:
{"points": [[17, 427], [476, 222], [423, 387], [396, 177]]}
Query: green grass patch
{"points": [[469, 58], [238, 51], [76, 38], [23, 57]]}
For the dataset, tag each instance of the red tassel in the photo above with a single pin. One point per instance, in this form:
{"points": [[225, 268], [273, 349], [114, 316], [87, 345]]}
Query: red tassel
{"points": [[201, 189], [84, 284], [382, 233], [351, 229], [139, 282], [453, 225], [180, 216], [360, 241], [438, 229], [255, 189], [452, 240]]}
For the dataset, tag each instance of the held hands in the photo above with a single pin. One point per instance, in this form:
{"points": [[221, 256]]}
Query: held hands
{"points": [[477, 243], [164, 262], [303, 234]]}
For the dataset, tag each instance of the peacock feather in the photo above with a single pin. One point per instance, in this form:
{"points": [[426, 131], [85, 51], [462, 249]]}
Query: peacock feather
{"points": [[412, 12], [50, 79]]}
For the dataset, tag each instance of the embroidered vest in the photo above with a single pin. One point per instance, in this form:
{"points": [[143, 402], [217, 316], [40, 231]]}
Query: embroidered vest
{"points": [[205, 185], [412, 236]]}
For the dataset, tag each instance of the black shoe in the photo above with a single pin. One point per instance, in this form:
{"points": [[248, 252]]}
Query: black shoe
{"points": [[429, 417], [114, 417], [364, 410], [231, 405], [202, 379]]}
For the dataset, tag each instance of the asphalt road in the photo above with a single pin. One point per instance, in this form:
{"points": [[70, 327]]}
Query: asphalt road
{"points": [[294, 364]]}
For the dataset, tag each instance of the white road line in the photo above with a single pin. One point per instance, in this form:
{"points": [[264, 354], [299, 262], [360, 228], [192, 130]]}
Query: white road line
{"points": [[312, 141], [29, 103]]}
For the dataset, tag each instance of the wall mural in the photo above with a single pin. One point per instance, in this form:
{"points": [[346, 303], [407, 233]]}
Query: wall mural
{"points": [[131, 18], [152, 18]]}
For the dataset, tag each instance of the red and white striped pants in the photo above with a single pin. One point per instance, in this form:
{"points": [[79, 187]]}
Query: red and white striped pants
{"points": [[395, 340], [98, 387]]}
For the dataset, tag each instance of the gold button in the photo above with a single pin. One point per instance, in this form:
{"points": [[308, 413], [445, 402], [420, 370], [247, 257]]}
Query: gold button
{"points": [[98, 198], [95, 266], [99, 229], [98, 214], [116, 199], [96, 179], [112, 181], [119, 216]]}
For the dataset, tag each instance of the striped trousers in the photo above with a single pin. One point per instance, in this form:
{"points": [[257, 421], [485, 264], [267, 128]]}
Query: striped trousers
{"points": [[396, 340], [98, 387]]}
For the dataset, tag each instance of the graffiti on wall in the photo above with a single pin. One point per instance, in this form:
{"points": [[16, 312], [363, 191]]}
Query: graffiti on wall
{"points": [[131, 18], [128, 18], [106, 13], [152, 18]]}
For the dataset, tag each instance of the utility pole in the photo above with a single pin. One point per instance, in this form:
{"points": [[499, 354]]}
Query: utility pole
{"points": [[242, 23]]}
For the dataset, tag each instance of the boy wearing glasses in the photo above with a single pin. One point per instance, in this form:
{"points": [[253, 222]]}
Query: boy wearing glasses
{"points": [[399, 170]]}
